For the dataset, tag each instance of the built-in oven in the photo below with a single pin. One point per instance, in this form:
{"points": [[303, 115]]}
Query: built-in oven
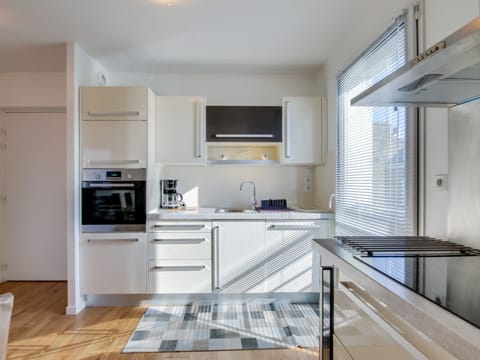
{"points": [[113, 200]]}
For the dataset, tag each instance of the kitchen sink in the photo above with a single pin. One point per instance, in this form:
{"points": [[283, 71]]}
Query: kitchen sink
{"points": [[230, 210]]}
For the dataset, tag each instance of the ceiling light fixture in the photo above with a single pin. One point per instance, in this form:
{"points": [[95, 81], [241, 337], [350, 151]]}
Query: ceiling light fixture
{"points": [[166, 2]]}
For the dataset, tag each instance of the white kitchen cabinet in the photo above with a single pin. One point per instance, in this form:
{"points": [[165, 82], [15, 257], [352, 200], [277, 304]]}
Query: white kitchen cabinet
{"points": [[179, 255], [289, 265], [114, 263], [304, 130], [180, 130], [114, 144], [238, 256], [114, 103]]}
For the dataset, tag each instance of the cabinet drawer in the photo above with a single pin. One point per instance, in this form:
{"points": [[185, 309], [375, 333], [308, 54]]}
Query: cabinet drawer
{"points": [[176, 226], [179, 276], [180, 246], [114, 103]]}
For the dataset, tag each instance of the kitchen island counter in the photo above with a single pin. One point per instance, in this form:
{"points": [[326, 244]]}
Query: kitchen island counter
{"points": [[455, 335]]}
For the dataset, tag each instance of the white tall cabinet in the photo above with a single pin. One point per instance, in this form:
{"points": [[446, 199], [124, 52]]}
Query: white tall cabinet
{"points": [[180, 130], [304, 130], [117, 131]]}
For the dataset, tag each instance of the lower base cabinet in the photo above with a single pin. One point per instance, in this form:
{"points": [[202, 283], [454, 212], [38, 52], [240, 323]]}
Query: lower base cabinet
{"points": [[289, 266], [239, 256], [114, 263], [179, 254]]}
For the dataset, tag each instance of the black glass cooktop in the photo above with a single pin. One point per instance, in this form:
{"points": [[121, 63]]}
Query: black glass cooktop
{"points": [[446, 275]]}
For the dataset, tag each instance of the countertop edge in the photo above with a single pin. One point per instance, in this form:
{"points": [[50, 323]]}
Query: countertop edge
{"points": [[210, 214]]}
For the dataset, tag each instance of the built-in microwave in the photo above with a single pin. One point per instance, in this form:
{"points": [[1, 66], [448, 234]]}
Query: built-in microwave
{"points": [[113, 200]]}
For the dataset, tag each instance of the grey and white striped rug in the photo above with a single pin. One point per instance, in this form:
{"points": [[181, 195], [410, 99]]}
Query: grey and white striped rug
{"points": [[203, 327]]}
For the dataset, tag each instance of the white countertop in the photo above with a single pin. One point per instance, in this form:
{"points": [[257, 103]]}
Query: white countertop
{"points": [[211, 214]]}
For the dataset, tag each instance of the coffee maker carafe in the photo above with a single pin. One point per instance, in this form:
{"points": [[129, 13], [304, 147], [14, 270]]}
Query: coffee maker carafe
{"points": [[169, 198]]}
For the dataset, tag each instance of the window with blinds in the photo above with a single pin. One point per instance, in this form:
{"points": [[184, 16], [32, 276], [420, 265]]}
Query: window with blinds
{"points": [[374, 180]]}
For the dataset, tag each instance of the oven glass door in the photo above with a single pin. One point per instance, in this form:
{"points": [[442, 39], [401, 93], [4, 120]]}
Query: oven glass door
{"points": [[113, 203]]}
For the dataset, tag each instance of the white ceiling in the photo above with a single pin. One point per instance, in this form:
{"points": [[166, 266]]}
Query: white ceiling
{"points": [[189, 36]]}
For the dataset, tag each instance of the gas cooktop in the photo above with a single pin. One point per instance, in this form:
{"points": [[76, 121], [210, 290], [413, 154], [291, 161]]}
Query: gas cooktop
{"points": [[442, 271]]}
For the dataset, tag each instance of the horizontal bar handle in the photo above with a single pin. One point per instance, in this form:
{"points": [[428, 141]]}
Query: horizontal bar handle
{"points": [[101, 162], [180, 268], [114, 113], [293, 227], [179, 227], [235, 136], [180, 241], [112, 185], [113, 239]]}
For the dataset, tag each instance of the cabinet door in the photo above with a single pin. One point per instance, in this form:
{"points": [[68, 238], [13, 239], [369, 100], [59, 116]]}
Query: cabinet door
{"points": [[114, 263], [180, 129], [239, 251], [289, 255], [114, 103], [304, 130], [114, 144]]}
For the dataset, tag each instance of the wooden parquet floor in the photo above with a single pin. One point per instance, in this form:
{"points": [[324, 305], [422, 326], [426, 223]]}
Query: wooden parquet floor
{"points": [[41, 330]]}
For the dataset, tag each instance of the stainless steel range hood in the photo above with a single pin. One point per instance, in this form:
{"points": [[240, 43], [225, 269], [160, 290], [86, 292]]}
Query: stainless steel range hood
{"points": [[445, 75]]}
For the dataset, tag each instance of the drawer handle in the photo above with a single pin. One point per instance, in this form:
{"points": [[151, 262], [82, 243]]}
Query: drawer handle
{"points": [[293, 227], [240, 136], [114, 113], [112, 240], [179, 241], [180, 268], [106, 162], [179, 227]]}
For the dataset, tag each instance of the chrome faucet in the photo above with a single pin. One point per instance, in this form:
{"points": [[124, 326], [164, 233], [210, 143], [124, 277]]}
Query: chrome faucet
{"points": [[254, 197], [330, 200]]}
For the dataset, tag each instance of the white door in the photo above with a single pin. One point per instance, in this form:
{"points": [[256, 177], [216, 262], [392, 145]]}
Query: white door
{"points": [[36, 196], [3, 195]]}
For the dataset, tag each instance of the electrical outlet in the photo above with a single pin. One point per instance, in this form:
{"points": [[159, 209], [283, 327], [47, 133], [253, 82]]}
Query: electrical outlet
{"points": [[308, 187], [441, 181], [307, 180]]}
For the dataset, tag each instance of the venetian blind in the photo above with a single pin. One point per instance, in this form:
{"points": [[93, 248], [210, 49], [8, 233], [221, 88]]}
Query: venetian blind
{"points": [[374, 168]]}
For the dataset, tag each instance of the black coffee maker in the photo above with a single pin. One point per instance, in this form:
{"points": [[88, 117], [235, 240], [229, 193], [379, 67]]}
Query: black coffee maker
{"points": [[169, 197]]}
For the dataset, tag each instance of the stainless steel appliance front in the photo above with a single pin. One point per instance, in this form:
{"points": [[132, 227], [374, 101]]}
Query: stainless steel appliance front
{"points": [[113, 200]]}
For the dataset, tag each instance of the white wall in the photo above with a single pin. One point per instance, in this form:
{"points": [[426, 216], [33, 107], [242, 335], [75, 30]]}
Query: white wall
{"points": [[219, 185], [441, 18], [81, 71], [223, 89], [32, 90]]}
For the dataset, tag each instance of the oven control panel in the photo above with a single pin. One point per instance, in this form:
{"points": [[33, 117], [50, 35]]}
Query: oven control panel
{"points": [[113, 174]]}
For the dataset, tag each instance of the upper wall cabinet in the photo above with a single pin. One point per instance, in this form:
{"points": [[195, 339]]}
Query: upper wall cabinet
{"points": [[304, 130], [180, 130], [114, 103], [117, 126]]}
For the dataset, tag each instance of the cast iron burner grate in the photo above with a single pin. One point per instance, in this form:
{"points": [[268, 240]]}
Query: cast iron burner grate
{"points": [[405, 246]]}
